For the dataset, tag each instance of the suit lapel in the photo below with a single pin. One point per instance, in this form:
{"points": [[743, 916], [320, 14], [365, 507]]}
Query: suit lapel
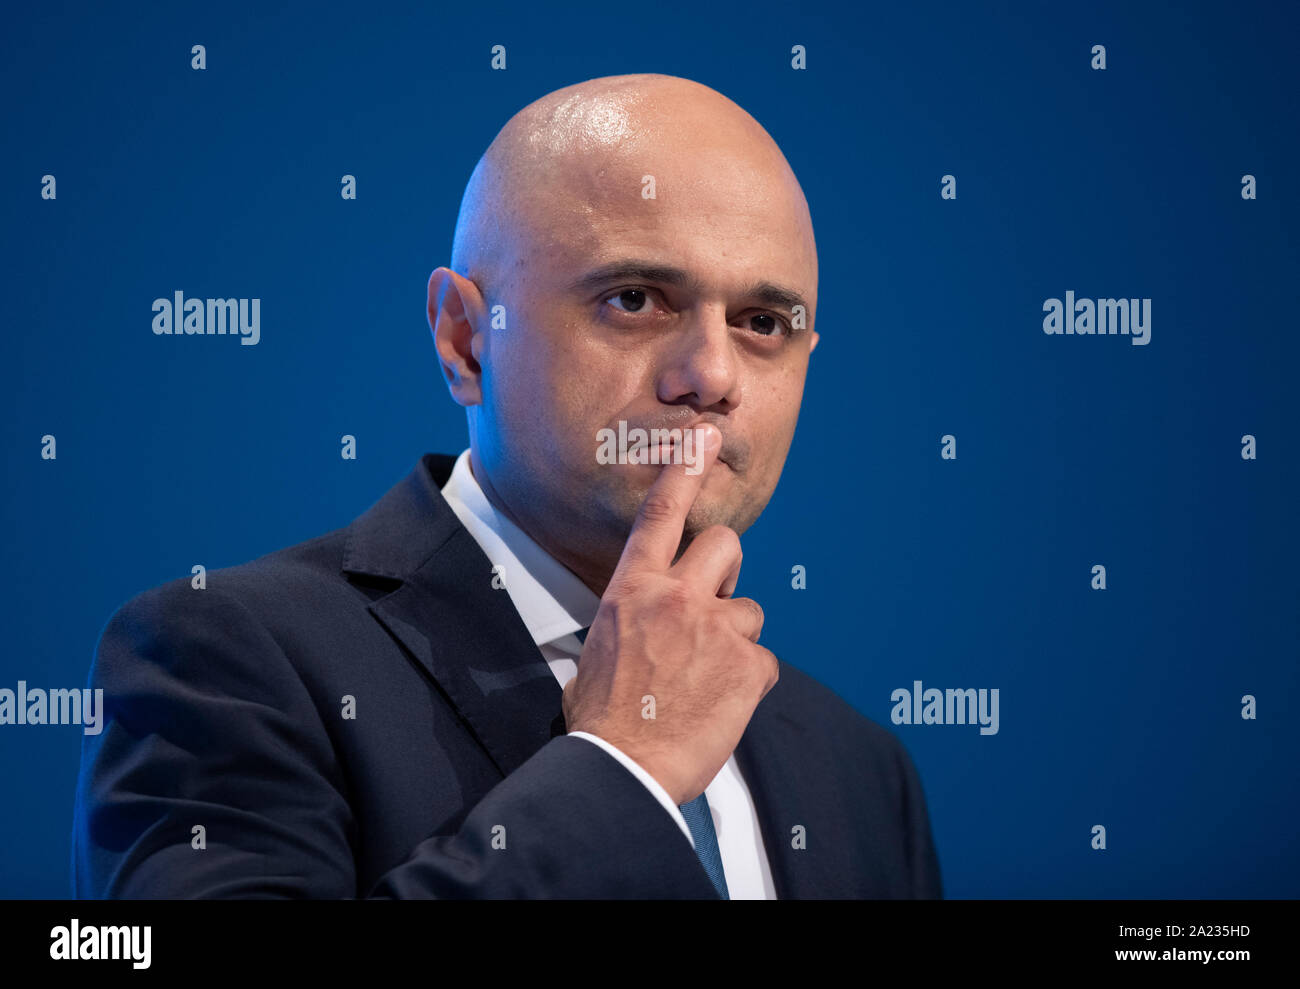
{"points": [[463, 632]]}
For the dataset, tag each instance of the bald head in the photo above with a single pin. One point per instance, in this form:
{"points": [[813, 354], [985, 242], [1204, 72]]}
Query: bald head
{"points": [[582, 146], [632, 253]]}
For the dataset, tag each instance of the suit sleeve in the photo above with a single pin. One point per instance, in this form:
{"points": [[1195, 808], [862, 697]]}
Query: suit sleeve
{"points": [[921, 859], [214, 776]]}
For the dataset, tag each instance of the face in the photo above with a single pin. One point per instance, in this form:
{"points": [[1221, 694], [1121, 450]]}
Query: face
{"points": [[664, 312]]}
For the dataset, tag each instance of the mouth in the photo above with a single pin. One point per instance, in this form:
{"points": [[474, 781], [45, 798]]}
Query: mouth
{"points": [[665, 453], [659, 446]]}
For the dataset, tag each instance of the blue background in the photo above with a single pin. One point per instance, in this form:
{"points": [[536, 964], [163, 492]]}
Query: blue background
{"points": [[1118, 707]]}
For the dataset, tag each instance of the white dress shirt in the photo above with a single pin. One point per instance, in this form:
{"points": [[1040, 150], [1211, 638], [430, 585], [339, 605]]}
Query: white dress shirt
{"points": [[555, 604]]}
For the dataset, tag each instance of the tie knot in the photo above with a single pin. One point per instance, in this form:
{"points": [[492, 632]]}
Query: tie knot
{"points": [[582, 635]]}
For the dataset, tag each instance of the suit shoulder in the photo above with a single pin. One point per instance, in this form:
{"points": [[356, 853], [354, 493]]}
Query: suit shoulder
{"points": [[842, 727], [295, 569], [261, 586], [240, 624]]}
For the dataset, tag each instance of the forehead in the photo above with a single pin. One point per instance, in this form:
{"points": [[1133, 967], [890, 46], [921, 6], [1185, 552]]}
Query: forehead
{"points": [[729, 220]]}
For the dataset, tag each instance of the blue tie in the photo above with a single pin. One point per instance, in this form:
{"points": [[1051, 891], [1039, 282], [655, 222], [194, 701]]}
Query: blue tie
{"points": [[700, 821]]}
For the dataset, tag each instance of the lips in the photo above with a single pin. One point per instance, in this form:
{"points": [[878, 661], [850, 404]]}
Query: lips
{"points": [[646, 448], [667, 449]]}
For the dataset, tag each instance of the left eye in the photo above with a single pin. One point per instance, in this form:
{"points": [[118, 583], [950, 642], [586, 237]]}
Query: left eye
{"points": [[632, 300]]}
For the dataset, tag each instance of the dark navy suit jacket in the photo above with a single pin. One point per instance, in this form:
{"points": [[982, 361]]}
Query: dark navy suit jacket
{"points": [[225, 712]]}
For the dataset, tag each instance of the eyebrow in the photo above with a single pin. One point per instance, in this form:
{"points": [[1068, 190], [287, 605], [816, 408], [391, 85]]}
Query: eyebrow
{"points": [[635, 270]]}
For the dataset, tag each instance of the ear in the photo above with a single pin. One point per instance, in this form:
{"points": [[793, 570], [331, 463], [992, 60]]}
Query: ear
{"points": [[813, 345], [457, 319]]}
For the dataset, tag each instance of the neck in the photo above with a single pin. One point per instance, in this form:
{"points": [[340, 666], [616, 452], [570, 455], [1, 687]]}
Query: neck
{"points": [[594, 575]]}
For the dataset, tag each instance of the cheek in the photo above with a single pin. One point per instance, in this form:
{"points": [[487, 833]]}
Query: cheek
{"points": [[526, 371], [770, 442], [594, 390]]}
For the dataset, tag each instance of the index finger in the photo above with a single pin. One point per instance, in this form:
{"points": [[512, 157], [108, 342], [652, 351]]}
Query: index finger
{"points": [[657, 529]]}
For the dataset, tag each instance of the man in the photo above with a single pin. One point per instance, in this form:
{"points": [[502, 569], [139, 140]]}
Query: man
{"points": [[523, 673]]}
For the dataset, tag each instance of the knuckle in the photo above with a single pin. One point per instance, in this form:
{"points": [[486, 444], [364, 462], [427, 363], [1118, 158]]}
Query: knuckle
{"points": [[732, 538], [725, 535], [764, 667], [676, 595], [658, 507], [623, 584]]}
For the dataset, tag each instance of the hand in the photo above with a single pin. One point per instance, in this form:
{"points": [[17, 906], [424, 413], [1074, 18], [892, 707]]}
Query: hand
{"points": [[673, 632]]}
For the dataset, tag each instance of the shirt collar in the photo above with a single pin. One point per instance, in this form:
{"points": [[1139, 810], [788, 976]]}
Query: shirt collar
{"points": [[549, 597]]}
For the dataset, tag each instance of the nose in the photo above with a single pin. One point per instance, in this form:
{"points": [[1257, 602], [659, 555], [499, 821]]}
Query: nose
{"points": [[701, 366]]}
